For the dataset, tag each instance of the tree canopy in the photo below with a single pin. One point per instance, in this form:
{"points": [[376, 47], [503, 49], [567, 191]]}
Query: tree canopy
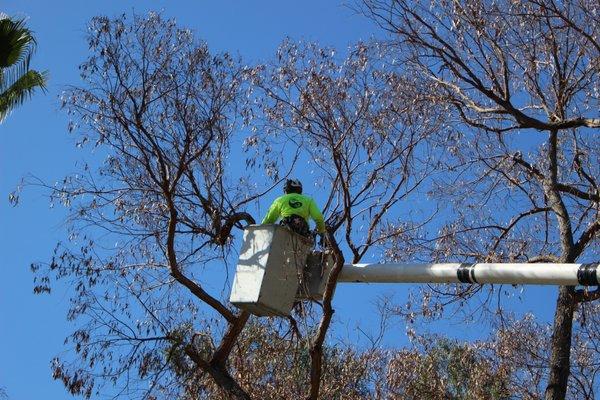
{"points": [[487, 109]]}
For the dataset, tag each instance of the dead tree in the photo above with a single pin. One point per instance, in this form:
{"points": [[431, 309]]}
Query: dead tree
{"points": [[363, 137], [150, 214], [520, 80]]}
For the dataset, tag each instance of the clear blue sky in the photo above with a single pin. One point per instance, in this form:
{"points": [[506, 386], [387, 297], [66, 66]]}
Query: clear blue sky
{"points": [[34, 140]]}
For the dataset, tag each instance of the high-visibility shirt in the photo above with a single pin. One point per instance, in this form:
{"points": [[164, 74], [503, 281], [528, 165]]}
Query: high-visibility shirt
{"points": [[295, 204]]}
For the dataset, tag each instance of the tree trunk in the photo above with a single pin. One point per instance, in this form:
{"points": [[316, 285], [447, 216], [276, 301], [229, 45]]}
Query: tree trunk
{"points": [[560, 358], [227, 383], [316, 346], [219, 374]]}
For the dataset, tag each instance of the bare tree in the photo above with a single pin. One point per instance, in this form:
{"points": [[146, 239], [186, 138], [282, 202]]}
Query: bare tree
{"points": [[521, 81], [364, 139], [151, 214], [154, 214]]}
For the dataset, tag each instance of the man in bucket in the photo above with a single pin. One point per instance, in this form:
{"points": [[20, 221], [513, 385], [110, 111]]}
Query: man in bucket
{"points": [[295, 209]]}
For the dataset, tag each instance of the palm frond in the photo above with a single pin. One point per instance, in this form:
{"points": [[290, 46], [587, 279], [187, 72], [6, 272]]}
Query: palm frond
{"points": [[16, 48], [17, 81], [21, 90], [16, 42]]}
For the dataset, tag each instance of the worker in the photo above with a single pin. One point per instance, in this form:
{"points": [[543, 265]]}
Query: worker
{"points": [[295, 209]]}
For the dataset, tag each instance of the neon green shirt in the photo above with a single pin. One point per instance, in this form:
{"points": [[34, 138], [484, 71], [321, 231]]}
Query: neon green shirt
{"points": [[295, 204]]}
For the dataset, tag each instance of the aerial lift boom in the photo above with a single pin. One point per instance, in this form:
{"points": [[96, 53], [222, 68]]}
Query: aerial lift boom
{"points": [[276, 268]]}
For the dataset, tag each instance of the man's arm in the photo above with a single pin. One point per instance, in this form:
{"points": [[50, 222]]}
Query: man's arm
{"points": [[316, 215], [272, 214]]}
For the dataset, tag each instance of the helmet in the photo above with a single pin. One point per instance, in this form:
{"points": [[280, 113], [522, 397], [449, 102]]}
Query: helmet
{"points": [[292, 186]]}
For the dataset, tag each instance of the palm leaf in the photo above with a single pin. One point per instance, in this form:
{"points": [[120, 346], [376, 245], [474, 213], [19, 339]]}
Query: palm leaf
{"points": [[16, 47], [16, 42], [17, 82], [20, 91]]}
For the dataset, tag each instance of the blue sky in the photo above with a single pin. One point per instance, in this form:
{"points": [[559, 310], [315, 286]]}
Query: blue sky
{"points": [[34, 141]]}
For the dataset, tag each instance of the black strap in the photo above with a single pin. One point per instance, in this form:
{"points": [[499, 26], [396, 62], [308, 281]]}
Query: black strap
{"points": [[587, 275], [466, 273]]}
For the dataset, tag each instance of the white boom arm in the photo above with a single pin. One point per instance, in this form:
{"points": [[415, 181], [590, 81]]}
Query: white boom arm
{"points": [[525, 274], [276, 268]]}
